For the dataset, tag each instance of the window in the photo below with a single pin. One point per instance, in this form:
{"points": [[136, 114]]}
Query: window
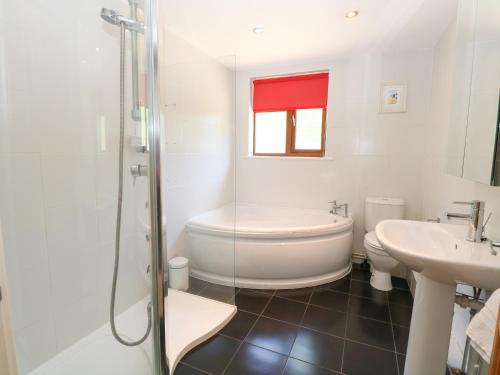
{"points": [[290, 115]]}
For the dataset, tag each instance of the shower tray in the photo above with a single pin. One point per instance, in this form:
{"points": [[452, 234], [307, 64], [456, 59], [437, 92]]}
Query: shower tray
{"points": [[190, 320]]}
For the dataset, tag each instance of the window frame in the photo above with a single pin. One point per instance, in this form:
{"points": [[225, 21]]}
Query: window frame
{"points": [[291, 151]]}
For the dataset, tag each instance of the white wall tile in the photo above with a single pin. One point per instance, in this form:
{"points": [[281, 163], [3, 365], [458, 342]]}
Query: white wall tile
{"points": [[21, 187], [29, 290], [198, 170], [68, 178]]}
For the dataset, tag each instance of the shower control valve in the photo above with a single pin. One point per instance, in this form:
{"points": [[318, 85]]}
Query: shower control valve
{"points": [[138, 170]]}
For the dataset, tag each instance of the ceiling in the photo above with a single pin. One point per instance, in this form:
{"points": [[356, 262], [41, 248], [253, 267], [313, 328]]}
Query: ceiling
{"points": [[298, 31]]}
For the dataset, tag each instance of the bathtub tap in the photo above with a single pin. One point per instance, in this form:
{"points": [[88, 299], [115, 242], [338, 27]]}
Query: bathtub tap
{"points": [[336, 207]]}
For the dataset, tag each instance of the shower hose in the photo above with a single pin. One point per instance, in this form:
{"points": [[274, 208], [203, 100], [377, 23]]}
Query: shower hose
{"points": [[119, 208]]}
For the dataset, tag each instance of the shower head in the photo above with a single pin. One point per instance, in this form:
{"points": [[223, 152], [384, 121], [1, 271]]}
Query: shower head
{"points": [[110, 16], [114, 18]]}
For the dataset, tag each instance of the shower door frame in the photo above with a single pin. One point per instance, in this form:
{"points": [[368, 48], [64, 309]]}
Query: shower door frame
{"points": [[159, 292], [6, 337]]}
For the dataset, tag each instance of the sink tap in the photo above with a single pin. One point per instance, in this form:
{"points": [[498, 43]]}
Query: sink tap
{"points": [[336, 207], [475, 217]]}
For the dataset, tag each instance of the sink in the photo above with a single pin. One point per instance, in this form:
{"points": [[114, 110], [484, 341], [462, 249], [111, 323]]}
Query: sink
{"points": [[444, 258], [440, 252]]}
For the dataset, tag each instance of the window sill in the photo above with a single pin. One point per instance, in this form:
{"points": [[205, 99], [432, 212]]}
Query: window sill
{"points": [[324, 158]]}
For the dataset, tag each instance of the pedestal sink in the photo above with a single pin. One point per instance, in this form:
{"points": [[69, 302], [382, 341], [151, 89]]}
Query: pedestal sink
{"points": [[444, 258]]}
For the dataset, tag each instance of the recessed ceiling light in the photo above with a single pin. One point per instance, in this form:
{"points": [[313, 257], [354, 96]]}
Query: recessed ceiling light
{"points": [[351, 14], [258, 30]]}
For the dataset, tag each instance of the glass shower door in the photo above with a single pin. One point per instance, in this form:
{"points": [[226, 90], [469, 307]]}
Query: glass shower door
{"points": [[60, 184], [197, 116]]}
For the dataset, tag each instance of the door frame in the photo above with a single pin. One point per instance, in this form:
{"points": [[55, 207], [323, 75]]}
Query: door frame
{"points": [[7, 350], [495, 354]]}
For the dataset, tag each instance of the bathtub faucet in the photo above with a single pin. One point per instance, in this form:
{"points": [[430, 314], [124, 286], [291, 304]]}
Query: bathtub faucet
{"points": [[337, 207]]}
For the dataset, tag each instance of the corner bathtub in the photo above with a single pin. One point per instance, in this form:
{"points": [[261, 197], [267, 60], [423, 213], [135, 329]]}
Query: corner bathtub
{"points": [[269, 247]]}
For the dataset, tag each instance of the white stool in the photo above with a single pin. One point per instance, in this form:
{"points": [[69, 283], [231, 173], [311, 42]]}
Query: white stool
{"points": [[178, 273]]}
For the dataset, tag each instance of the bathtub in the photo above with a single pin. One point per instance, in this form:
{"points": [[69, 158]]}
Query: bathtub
{"points": [[269, 247]]}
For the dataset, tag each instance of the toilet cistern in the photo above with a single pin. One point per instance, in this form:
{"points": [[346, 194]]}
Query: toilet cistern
{"points": [[475, 217]]}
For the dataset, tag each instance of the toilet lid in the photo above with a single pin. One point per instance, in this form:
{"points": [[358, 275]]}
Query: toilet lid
{"points": [[372, 239]]}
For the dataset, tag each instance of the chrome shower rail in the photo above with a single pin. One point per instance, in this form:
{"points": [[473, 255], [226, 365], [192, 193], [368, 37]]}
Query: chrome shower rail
{"points": [[158, 278]]}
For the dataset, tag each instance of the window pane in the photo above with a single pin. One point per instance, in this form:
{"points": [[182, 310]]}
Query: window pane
{"points": [[270, 132], [308, 129]]}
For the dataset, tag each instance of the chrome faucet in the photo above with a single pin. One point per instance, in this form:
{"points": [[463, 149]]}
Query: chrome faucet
{"points": [[337, 207], [475, 217]]}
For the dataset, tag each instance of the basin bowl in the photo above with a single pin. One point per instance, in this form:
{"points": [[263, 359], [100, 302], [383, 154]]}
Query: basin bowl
{"points": [[440, 252]]}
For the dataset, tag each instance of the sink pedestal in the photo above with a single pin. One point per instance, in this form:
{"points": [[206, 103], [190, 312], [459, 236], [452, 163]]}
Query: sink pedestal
{"points": [[430, 328]]}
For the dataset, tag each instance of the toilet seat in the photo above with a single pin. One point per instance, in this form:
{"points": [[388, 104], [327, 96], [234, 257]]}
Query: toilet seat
{"points": [[371, 241]]}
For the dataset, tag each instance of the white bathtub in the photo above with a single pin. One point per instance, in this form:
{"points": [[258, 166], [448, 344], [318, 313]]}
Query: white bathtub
{"points": [[269, 247]]}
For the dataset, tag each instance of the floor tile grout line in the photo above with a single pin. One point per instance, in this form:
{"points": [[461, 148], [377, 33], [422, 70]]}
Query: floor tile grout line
{"points": [[366, 317], [338, 337], [195, 368], [394, 340], [312, 364], [291, 299], [287, 356], [300, 326], [292, 357], [346, 323], [370, 345], [343, 293], [250, 330]]}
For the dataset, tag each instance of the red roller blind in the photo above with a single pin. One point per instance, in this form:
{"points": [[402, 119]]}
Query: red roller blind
{"points": [[288, 93]]}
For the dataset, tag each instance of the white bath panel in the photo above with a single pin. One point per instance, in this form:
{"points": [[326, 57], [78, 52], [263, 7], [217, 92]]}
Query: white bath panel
{"points": [[190, 320]]}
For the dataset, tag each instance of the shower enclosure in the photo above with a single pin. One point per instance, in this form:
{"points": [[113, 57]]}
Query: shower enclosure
{"points": [[67, 110], [114, 132]]}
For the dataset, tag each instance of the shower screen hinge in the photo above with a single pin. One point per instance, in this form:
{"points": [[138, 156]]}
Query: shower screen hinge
{"points": [[1, 297]]}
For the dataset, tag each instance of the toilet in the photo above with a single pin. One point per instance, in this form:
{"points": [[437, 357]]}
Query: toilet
{"points": [[376, 210]]}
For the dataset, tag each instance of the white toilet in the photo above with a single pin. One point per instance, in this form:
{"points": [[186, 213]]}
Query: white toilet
{"points": [[376, 210]]}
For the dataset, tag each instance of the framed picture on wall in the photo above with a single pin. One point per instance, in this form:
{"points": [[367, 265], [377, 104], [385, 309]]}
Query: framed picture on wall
{"points": [[393, 97]]}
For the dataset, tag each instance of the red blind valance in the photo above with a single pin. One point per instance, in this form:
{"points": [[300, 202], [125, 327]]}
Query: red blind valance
{"points": [[288, 93]]}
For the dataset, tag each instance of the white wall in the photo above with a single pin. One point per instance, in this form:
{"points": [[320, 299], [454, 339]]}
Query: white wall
{"points": [[367, 153], [58, 174], [439, 189], [198, 115]]}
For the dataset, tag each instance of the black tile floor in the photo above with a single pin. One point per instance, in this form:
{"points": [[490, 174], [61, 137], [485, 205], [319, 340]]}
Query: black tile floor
{"points": [[344, 327]]}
